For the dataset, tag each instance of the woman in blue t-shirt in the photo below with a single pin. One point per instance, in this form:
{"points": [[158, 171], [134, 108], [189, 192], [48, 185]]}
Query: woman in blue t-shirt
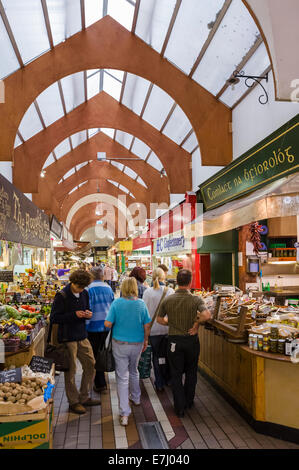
{"points": [[131, 327]]}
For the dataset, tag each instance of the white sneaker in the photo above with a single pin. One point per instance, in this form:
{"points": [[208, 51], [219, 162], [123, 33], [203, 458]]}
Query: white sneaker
{"points": [[124, 420]]}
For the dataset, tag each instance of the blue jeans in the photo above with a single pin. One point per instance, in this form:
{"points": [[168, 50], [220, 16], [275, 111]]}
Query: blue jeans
{"points": [[127, 376], [161, 378]]}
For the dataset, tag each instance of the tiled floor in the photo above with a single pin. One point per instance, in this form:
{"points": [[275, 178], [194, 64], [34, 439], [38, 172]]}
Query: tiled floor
{"points": [[211, 424]]}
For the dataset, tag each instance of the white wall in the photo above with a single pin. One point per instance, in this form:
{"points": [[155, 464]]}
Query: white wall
{"points": [[6, 170], [252, 122], [201, 173]]}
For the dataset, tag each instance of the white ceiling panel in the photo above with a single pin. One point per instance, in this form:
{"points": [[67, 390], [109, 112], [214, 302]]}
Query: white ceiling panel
{"points": [[155, 162], [191, 29], [17, 141], [130, 173], [124, 139], [257, 65], [153, 20], [93, 85], [107, 131], [112, 86], [236, 35], [30, 124], [9, 62], [158, 107], [78, 167], [118, 165], [81, 184], [72, 190], [123, 188], [50, 104], [119, 74], [178, 126], [191, 143], [27, 22], [140, 149], [135, 92], [65, 18], [113, 182], [78, 138], [62, 149], [49, 161], [73, 90], [93, 11], [92, 132], [122, 11], [140, 181], [69, 173]]}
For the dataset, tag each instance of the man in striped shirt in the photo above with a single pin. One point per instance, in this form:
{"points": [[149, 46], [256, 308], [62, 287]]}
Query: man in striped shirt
{"points": [[183, 313], [100, 298]]}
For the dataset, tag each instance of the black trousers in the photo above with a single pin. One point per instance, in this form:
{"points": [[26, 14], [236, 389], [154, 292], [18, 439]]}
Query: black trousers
{"points": [[183, 354], [96, 340]]}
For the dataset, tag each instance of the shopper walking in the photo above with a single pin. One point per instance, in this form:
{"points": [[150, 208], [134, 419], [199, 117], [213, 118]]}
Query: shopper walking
{"points": [[114, 279], [140, 275], [100, 299], [70, 310], [183, 312], [158, 335], [131, 324], [108, 274]]}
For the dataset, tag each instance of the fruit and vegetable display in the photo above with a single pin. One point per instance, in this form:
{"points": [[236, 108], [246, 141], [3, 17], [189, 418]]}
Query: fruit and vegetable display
{"points": [[19, 326], [23, 393]]}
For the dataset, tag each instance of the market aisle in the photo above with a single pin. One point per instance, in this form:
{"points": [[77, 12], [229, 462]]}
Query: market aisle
{"points": [[211, 424]]}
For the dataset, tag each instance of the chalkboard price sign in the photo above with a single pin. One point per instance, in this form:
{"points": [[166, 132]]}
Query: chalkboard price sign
{"points": [[12, 375], [12, 329], [41, 364], [6, 276]]}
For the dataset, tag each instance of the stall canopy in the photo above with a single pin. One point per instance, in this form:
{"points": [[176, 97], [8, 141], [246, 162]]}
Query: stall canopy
{"points": [[279, 199]]}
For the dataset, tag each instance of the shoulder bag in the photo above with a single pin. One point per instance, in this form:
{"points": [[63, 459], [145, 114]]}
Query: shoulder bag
{"points": [[105, 360]]}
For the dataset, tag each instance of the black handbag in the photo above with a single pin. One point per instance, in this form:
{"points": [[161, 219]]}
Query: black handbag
{"points": [[105, 360], [60, 356]]}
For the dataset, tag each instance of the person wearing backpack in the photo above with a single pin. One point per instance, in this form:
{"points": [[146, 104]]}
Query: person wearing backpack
{"points": [[153, 297], [70, 310]]}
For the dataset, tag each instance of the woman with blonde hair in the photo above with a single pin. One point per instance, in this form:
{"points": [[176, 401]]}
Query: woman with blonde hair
{"points": [[153, 297], [129, 317]]}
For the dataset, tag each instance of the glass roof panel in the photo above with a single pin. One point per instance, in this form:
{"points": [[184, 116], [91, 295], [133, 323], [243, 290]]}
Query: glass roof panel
{"points": [[117, 165], [78, 167], [30, 124], [92, 132], [155, 162], [78, 138], [93, 11], [112, 86], [73, 90], [191, 29], [140, 149], [9, 62], [119, 74], [123, 188], [50, 104], [158, 107], [93, 85], [135, 92], [140, 181], [191, 143], [81, 184], [17, 141], [124, 139], [113, 182], [256, 65], [65, 19], [153, 20], [236, 35], [130, 173], [132, 195], [49, 161], [107, 131], [72, 190], [27, 22], [178, 126], [62, 148], [122, 11], [69, 173]]}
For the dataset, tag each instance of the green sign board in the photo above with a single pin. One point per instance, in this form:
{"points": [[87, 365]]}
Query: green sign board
{"points": [[275, 157]]}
